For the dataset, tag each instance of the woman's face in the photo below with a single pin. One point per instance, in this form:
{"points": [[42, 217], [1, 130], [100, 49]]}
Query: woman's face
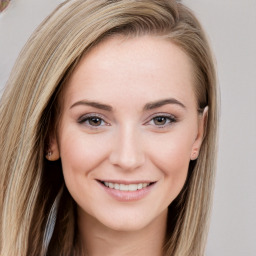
{"points": [[128, 130]]}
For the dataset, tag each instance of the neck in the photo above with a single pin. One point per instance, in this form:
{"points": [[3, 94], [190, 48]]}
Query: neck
{"points": [[98, 239]]}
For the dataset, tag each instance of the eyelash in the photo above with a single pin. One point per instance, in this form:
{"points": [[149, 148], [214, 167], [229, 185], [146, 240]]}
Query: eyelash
{"points": [[89, 117], [170, 119]]}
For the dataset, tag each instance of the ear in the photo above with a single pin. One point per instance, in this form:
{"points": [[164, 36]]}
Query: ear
{"points": [[202, 124], [52, 150]]}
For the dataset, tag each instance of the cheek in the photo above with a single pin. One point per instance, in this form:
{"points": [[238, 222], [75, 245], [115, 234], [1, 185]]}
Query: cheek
{"points": [[172, 157], [171, 152], [80, 154]]}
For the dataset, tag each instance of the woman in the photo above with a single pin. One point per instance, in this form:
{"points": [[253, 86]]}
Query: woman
{"points": [[108, 133]]}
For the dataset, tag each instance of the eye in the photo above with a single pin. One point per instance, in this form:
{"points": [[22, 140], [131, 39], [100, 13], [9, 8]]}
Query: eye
{"points": [[162, 121], [92, 121]]}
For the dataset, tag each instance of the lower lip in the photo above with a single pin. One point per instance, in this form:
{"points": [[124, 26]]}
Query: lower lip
{"points": [[126, 196]]}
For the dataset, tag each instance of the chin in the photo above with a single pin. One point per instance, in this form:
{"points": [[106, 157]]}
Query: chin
{"points": [[131, 221], [126, 226]]}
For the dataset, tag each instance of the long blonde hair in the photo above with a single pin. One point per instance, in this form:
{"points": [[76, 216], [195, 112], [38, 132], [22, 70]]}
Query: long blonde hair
{"points": [[29, 110]]}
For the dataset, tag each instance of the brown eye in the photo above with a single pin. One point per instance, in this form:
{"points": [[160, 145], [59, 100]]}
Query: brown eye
{"points": [[94, 121], [160, 120]]}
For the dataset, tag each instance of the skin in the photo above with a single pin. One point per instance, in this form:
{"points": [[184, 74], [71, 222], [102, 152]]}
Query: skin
{"points": [[128, 143]]}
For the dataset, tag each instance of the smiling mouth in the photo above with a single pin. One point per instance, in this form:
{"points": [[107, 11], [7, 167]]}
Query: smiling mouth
{"points": [[126, 187]]}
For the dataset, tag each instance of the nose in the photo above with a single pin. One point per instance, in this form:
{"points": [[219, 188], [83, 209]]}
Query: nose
{"points": [[127, 150]]}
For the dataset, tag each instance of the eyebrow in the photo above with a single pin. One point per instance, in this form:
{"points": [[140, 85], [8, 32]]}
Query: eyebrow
{"points": [[93, 104], [160, 103], [148, 106]]}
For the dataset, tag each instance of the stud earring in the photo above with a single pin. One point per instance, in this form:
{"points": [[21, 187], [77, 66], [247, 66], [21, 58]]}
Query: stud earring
{"points": [[194, 155]]}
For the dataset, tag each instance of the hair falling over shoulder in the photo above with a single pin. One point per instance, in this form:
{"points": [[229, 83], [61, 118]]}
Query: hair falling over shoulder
{"points": [[31, 186]]}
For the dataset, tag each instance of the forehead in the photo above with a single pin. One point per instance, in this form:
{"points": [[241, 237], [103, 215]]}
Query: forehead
{"points": [[148, 67]]}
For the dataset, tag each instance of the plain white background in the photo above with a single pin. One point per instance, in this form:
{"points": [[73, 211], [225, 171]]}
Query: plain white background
{"points": [[231, 28]]}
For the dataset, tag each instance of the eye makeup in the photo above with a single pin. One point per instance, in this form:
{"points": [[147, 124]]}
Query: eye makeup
{"points": [[93, 121], [161, 120]]}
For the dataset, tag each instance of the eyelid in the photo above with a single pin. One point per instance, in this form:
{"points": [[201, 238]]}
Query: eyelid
{"points": [[82, 119], [88, 115], [172, 118]]}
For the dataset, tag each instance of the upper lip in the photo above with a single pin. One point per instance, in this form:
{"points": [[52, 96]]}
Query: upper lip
{"points": [[127, 182]]}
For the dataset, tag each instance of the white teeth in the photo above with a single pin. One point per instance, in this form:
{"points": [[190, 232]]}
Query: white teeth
{"points": [[140, 186], [144, 185], [132, 187], [124, 187]]}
